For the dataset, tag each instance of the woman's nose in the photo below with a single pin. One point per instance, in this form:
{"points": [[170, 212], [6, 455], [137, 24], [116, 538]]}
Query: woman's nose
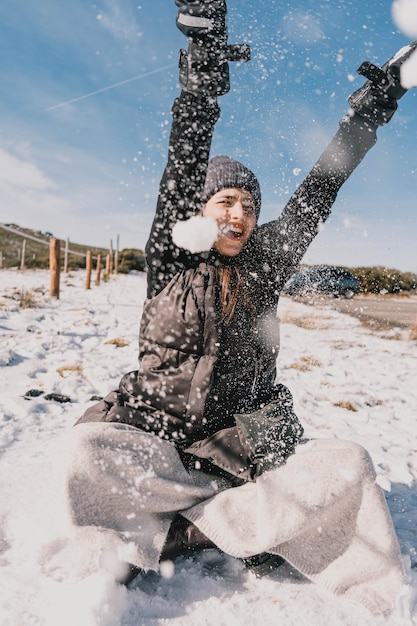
{"points": [[236, 211]]}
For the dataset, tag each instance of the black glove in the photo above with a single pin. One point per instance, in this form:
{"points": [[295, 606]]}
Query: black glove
{"points": [[203, 21], [376, 100], [271, 433], [204, 67]]}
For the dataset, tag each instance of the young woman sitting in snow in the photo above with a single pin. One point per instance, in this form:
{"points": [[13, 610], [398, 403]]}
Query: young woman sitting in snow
{"points": [[151, 467]]}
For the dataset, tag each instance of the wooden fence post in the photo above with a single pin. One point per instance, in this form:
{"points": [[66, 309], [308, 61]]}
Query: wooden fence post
{"points": [[108, 264], [116, 256], [54, 266], [66, 256], [98, 270], [22, 260], [111, 256], [88, 267]]}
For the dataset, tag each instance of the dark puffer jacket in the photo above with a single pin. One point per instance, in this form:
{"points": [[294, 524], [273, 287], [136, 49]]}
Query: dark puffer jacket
{"points": [[196, 372]]}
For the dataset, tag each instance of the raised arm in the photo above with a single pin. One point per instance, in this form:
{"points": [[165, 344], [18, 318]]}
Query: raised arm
{"points": [[204, 75], [181, 186], [285, 241]]}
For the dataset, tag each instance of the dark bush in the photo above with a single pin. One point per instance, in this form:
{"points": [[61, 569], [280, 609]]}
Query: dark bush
{"points": [[384, 280], [131, 259]]}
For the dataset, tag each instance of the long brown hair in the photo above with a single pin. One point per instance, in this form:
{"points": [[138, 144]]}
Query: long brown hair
{"points": [[232, 288]]}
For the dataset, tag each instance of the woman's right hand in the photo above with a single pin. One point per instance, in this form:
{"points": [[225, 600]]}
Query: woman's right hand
{"points": [[203, 21]]}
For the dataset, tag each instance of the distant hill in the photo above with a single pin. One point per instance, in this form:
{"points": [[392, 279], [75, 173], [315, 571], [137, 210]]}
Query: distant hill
{"points": [[36, 250]]}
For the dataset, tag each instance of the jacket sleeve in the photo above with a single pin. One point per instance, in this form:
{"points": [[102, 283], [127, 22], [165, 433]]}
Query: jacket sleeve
{"points": [[181, 187], [283, 242]]}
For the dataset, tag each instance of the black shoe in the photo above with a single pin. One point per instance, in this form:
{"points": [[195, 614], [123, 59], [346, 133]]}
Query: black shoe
{"points": [[183, 537], [263, 564]]}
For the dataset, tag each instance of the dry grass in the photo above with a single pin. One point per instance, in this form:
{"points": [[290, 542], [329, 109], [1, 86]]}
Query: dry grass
{"points": [[26, 299], [305, 364], [119, 343], [375, 325], [374, 402], [67, 370], [309, 323], [393, 337], [345, 404], [413, 330], [346, 345]]}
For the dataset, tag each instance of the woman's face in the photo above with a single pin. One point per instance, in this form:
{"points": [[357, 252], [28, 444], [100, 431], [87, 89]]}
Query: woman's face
{"points": [[235, 213]]}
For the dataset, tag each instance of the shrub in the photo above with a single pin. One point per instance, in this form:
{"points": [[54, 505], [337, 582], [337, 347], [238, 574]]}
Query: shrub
{"points": [[384, 280], [131, 259]]}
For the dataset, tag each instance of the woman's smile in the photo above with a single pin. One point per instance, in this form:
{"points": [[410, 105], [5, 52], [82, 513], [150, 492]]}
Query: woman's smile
{"points": [[234, 211]]}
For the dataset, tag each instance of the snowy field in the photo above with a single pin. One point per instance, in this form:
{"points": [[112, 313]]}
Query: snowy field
{"points": [[348, 382]]}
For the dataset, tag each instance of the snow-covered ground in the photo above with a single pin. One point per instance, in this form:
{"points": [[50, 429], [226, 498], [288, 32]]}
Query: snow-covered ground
{"points": [[348, 382]]}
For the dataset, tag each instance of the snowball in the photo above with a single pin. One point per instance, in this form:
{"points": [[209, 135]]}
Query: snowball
{"points": [[404, 14], [409, 72], [197, 234]]}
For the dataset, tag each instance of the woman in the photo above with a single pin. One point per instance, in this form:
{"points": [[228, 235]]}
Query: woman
{"points": [[150, 469]]}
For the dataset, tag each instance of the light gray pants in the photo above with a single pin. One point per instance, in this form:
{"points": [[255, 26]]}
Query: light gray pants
{"points": [[322, 511]]}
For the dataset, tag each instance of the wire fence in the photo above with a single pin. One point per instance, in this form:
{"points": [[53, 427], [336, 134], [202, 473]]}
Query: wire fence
{"points": [[54, 245], [38, 240]]}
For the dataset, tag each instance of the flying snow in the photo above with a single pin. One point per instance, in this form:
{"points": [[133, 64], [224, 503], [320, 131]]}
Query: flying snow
{"points": [[409, 72], [404, 15]]}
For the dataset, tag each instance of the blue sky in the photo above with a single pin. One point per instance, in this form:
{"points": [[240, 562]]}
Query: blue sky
{"points": [[86, 92]]}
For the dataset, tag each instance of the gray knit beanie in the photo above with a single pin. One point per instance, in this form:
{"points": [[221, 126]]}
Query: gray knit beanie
{"points": [[224, 172]]}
